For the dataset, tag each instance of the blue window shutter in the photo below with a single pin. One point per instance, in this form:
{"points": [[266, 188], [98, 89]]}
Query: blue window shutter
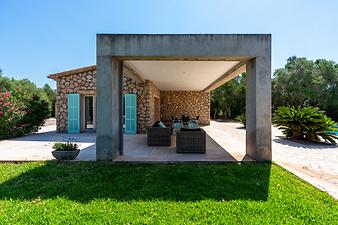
{"points": [[73, 113], [130, 113]]}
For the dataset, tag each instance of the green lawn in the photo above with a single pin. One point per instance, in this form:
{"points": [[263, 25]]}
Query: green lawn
{"points": [[88, 193]]}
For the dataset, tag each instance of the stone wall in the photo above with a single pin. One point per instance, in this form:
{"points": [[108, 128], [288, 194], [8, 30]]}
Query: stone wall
{"points": [[85, 83], [153, 92], [195, 103], [145, 101], [82, 83]]}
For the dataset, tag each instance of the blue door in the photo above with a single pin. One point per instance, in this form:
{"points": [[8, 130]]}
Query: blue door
{"points": [[73, 113], [130, 113]]}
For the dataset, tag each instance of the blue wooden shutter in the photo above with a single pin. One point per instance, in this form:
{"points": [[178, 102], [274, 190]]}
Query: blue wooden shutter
{"points": [[73, 113], [130, 113]]}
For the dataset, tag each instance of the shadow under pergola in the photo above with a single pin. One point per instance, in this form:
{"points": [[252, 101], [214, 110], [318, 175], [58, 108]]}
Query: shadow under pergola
{"points": [[86, 181]]}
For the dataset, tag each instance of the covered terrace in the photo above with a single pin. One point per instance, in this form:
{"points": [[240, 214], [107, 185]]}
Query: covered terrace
{"points": [[182, 63]]}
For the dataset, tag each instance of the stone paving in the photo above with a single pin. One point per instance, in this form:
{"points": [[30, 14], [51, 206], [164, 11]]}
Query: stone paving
{"points": [[137, 150], [315, 163], [38, 147]]}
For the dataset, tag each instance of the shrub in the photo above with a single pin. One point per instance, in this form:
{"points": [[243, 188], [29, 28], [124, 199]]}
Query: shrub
{"points": [[69, 145], [37, 112], [242, 119], [12, 112], [27, 89], [304, 122], [21, 114]]}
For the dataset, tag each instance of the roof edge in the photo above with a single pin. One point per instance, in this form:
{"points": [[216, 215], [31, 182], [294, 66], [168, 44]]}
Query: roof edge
{"points": [[71, 72]]}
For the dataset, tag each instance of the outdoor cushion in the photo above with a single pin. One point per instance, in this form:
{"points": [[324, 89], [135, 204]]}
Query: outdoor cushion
{"points": [[177, 125], [159, 124], [193, 125]]}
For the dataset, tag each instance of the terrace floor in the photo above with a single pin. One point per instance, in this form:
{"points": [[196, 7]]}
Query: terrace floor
{"points": [[38, 147], [136, 150]]}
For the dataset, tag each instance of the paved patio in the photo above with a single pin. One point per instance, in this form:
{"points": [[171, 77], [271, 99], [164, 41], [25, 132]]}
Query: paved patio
{"points": [[315, 163], [136, 150], [38, 147]]}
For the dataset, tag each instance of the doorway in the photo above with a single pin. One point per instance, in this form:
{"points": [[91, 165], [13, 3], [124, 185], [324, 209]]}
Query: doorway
{"points": [[89, 113]]}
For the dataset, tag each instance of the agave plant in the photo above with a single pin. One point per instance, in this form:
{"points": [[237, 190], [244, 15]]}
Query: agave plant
{"points": [[305, 122]]}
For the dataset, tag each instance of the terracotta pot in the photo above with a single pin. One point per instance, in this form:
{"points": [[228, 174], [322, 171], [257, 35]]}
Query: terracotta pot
{"points": [[65, 155]]}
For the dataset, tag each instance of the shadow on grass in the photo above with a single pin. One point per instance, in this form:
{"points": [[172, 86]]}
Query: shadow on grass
{"points": [[86, 181]]}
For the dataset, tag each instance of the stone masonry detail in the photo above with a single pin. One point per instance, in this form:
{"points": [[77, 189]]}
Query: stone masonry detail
{"points": [[85, 83], [76, 83], [145, 103], [195, 103]]}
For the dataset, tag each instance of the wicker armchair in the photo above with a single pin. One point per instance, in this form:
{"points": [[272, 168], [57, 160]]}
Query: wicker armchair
{"points": [[191, 141], [159, 136]]}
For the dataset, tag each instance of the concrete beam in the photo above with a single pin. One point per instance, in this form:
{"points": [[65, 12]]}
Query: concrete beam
{"points": [[235, 47], [232, 73], [131, 73]]}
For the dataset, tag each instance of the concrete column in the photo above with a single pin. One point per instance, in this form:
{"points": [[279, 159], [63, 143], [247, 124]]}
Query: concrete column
{"points": [[109, 137], [258, 109]]}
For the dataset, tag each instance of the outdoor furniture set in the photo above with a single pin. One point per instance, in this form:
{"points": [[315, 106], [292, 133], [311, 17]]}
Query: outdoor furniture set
{"points": [[190, 138]]}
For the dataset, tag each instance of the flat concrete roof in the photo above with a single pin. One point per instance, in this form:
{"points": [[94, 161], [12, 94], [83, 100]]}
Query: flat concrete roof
{"points": [[204, 71], [181, 75], [171, 75]]}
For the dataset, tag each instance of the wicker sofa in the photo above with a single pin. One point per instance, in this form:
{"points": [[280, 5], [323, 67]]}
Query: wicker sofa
{"points": [[159, 136], [191, 141]]}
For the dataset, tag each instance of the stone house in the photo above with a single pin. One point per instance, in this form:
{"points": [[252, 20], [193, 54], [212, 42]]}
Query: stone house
{"points": [[141, 78], [152, 103]]}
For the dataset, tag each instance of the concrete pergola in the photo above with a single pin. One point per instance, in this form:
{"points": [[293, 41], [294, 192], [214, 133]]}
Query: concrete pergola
{"points": [[253, 51]]}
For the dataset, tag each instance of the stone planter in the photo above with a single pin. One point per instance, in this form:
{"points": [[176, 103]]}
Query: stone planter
{"points": [[65, 155]]}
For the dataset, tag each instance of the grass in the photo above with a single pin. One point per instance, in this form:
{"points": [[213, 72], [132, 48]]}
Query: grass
{"points": [[96, 193]]}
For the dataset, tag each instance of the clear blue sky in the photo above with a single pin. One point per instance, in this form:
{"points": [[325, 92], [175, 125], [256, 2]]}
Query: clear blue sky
{"points": [[39, 37]]}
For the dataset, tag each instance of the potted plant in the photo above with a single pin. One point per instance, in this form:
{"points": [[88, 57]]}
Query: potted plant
{"points": [[67, 150]]}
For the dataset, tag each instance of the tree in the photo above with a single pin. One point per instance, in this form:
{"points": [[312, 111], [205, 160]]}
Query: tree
{"points": [[329, 99], [26, 87], [51, 95], [228, 100], [304, 81]]}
